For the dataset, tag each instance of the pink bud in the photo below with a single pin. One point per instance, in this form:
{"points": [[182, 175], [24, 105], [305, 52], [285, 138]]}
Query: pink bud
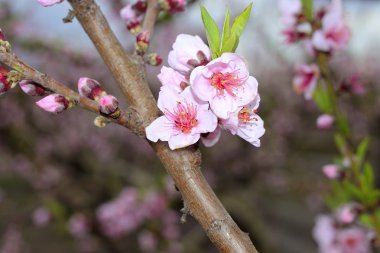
{"points": [[32, 88], [140, 6], [134, 26], [46, 3], [153, 59], [142, 42], [332, 171], [348, 213], [2, 36], [173, 6], [53, 103], [353, 84], [325, 121], [90, 88], [4, 83], [108, 104]]}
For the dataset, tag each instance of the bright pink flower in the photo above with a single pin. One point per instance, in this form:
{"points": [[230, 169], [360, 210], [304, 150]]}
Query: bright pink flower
{"points": [[305, 79], [224, 83], [325, 121], [47, 3], [246, 123], [185, 119], [172, 79], [334, 33], [90, 88], [210, 139], [108, 104], [348, 213], [54, 103], [32, 89], [188, 52], [332, 171]]}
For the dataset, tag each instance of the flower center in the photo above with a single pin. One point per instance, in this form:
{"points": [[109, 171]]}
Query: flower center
{"points": [[184, 117], [226, 82], [245, 116]]}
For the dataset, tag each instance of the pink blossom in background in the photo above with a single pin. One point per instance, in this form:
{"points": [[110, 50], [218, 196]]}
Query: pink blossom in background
{"points": [[128, 14], [348, 213], [147, 241], [53, 103], [305, 79], [41, 217], [185, 119], [210, 139], [79, 225], [47, 3], [354, 84], [332, 171], [154, 204], [2, 36], [246, 123], [32, 89], [188, 52], [290, 10], [172, 79], [325, 121], [324, 231], [225, 83], [353, 240], [334, 33]]}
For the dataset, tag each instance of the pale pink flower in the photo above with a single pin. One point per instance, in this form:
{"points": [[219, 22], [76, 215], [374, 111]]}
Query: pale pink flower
{"points": [[290, 10], [46, 3], [108, 104], [325, 121], [354, 240], [348, 213], [41, 217], [172, 79], [188, 52], [224, 83], [306, 79], [332, 171], [53, 103], [147, 241], [334, 33], [32, 89], [324, 231], [246, 123], [210, 139], [79, 225], [128, 14], [185, 119]]}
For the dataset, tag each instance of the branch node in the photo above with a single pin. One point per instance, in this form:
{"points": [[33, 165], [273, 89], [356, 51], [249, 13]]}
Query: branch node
{"points": [[69, 17]]}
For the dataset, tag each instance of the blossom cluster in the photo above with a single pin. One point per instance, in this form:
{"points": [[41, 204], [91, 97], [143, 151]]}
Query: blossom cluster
{"points": [[200, 96]]}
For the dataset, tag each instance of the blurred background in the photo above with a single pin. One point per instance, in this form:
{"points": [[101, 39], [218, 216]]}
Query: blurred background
{"points": [[68, 186]]}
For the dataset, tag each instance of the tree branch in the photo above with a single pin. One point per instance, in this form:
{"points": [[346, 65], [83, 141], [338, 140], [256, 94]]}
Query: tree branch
{"points": [[183, 164], [150, 17]]}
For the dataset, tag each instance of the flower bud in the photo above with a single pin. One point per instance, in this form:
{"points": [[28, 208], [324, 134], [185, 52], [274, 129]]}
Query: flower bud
{"points": [[109, 105], [47, 3], [101, 121], [172, 6], [32, 88], [140, 6], [153, 59], [325, 121], [332, 171], [4, 83], [90, 88], [142, 42], [54, 103], [348, 213], [2, 36], [134, 26]]}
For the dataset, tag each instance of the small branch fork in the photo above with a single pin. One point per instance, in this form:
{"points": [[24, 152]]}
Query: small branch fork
{"points": [[183, 164]]}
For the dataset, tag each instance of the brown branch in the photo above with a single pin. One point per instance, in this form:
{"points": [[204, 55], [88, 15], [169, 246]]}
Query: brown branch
{"points": [[183, 164], [150, 17], [126, 118]]}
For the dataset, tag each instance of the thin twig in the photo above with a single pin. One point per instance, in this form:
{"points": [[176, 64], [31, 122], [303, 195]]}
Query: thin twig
{"points": [[151, 16]]}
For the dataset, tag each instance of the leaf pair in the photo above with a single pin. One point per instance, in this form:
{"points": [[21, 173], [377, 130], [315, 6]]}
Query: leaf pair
{"points": [[230, 35]]}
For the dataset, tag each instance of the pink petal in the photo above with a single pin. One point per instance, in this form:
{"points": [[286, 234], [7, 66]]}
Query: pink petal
{"points": [[160, 129], [183, 140], [211, 139]]}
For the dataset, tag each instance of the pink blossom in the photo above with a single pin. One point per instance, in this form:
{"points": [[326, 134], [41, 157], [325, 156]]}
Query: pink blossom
{"points": [[334, 33], [32, 89], [325, 121], [79, 225], [354, 84], [324, 231], [41, 217], [185, 119], [90, 88], [154, 204], [172, 79], [2, 36], [348, 213], [224, 83], [306, 78], [54, 103], [353, 240], [290, 10], [46, 3], [188, 52], [108, 104], [246, 123], [210, 139], [332, 171], [147, 241], [127, 13]]}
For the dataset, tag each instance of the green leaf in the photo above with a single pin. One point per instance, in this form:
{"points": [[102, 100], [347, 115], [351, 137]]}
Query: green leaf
{"points": [[340, 141], [226, 28], [342, 124], [362, 151], [307, 6], [322, 99], [230, 44], [369, 177], [212, 32], [240, 21]]}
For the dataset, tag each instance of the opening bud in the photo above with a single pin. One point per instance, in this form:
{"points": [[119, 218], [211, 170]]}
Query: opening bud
{"points": [[54, 103], [172, 6], [332, 171], [101, 121], [109, 105], [32, 88], [142, 42], [153, 59], [90, 88], [134, 26], [140, 6]]}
